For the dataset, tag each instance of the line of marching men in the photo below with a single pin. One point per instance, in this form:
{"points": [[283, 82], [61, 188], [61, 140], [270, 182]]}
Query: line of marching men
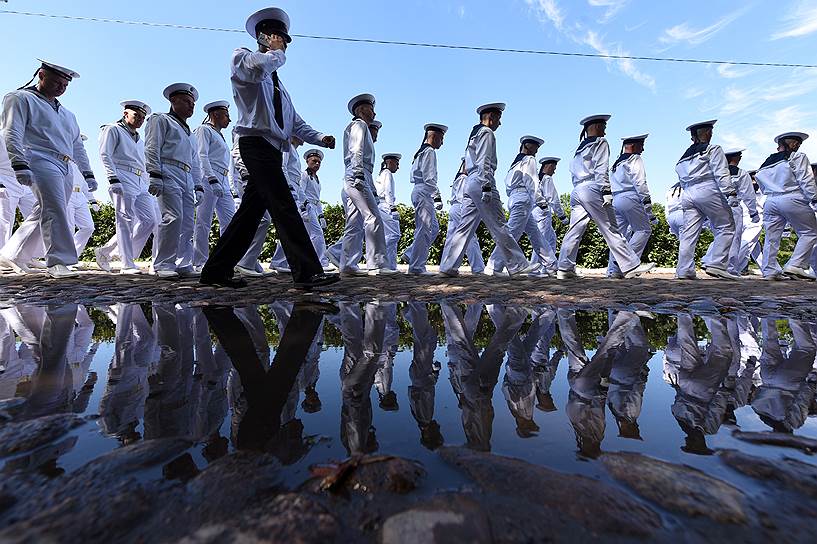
{"points": [[170, 184]]}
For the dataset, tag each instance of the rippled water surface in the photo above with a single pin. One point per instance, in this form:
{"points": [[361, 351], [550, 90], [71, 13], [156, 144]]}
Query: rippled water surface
{"points": [[312, 383]]}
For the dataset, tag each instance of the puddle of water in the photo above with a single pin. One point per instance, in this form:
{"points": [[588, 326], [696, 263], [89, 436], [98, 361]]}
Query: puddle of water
{"points": [[553, 387]]}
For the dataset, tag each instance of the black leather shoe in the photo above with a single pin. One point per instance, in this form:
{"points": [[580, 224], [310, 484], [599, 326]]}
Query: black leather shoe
{"points": [[318, 280], [235, 283]]}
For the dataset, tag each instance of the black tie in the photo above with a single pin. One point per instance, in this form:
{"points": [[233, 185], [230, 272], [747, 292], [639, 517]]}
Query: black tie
{"points": [[276, 101]]}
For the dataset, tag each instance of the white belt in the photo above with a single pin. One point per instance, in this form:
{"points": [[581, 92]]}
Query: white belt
{"points": [[130, 169], [781, 193], [50, 153], [582, 182], [179, 164], [697, 181]]}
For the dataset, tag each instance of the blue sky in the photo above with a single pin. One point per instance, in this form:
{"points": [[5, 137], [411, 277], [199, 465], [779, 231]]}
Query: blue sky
{"points": [[546, 96]]}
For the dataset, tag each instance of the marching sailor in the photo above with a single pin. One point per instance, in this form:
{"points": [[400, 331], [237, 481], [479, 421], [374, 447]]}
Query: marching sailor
{"points": [[384, 186], [122, 153], [549, 204], [472, 250], [214, 156], [481, 200], [425, 197], [592, 198], [631, 199], [41, 138], [175, 180], [748, 203], [311, 188], [266, 121], [80, 203], [11, 195], [707, 193], [791, 197]]}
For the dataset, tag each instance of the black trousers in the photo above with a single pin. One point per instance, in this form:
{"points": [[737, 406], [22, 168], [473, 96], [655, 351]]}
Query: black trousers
{"points": [[267, 190]]}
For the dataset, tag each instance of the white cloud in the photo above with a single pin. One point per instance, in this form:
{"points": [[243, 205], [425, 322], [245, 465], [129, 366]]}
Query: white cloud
{"points": [[693, 92], [548, 10], [627, 66], [461, 11], [685, 33], [731, 71], [613, 7], [758, 135], [800, 21]]}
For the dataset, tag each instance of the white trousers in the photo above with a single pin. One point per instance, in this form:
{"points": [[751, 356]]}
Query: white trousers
{"points": [[174, 244], [700, 202], [794, 209], [474, 210], [521, 220], [362, 205], [47, 224], [633, 223], [392, 232], [586, 203], [472, 250], [8, 212], [224, 208], [79, 217], [336, 249], [426, 229], [137, 217], [544, 222]]}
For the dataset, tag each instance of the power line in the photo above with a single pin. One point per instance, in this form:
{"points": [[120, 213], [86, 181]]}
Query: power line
{"points": [[418, 44]]}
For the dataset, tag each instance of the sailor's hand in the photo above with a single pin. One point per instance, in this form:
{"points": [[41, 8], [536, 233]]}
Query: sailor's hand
{"points": [[607, 200], [328, 141]]}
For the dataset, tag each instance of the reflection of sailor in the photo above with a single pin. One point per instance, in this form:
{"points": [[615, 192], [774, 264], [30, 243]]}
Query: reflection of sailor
{"points": [[46, 332], [423, 372], [209, 384], [698, 408], [628, 377], [266, 391], [787, 371], [80, 354], [545, 366], [738, 383], [122, 406], [308, 378], [459, 337], [362, 350], [585, 405], [385, 372], [518, 385], [282, 312]]}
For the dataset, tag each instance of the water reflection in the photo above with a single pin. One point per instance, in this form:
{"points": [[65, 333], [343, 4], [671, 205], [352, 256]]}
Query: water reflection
{"points": [[285, 376]]}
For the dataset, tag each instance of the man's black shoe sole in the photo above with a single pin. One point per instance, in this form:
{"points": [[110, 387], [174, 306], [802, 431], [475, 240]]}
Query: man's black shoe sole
{"points": [[235, 284], [320, 283]]}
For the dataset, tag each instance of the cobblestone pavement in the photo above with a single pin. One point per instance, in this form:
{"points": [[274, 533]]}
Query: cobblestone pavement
{"points": [[657, 291]]}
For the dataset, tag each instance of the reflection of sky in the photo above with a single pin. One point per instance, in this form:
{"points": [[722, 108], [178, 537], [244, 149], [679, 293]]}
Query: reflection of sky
{"points": [[397, 432]]}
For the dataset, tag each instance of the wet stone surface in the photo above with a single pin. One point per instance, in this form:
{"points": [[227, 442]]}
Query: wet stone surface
{"points": [[429, 411]]}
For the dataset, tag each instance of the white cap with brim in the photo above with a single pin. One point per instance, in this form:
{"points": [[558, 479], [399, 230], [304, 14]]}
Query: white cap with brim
{"points": [[734, 151], [278, 17], [702, 124], [802, 136], [530, 138], [62, 70], [136, 105], [435, 127], [312, 152], [376, 124], [217, 104], [83, 137], [364, 98], [396, 156], [598, 118], [493, 106], [177, 88], [636, 138], [543, 160]]}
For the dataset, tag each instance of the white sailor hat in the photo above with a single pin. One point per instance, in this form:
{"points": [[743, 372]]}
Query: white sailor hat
{"points": [[493, 106], [376, 124], [543, 160], [364, 98], [598, 118], [702, 124], [636, 138], [313, 151], [63, 71], [83, 137], [530, 138], [176, 88], [814, 165], [802, 136], [136, 105], [217, 104], [436, 127], [734, 151], [396, 156], [279, 22]]}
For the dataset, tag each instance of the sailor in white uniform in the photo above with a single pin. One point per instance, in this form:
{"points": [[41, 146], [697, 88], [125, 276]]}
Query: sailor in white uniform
{"points": [[632, 202], [122, 152], [175, 179], [814, 253], [472, 250], [673, 210], [425, 197], [80, 203], [549, 204], [41, 138], [708, 193], [384, 187], [791, 197], [214, 157], [750, 247], [361, 203], [520, 186], [11, 193], [481, 200], [592, 198]]}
